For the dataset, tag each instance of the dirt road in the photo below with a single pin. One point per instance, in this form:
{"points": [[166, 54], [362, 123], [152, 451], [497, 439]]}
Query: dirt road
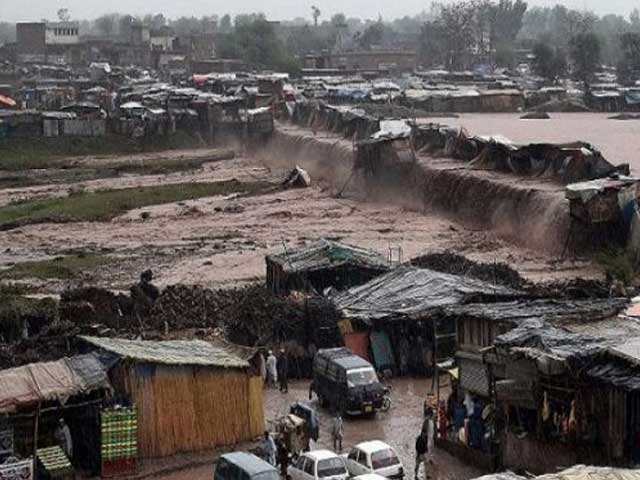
{"points": [[398, 427]]}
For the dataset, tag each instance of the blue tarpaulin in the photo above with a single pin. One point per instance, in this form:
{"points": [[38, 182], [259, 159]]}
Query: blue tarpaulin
{"points": [[382, 352]]}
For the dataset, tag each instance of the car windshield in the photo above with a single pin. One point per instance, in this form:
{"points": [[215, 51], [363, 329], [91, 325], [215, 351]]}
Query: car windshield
{"points": [[330, 467], [384, 458], [362, 376]]}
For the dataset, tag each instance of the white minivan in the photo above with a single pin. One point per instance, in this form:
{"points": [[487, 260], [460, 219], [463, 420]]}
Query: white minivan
{"points": [[375, 457], [318, 465]]}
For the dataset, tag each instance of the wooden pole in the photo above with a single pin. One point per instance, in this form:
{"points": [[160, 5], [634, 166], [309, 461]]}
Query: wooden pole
{"points": [[35, 442]]}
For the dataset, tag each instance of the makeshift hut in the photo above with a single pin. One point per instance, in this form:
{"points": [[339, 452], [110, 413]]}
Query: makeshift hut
{"points": [[577, 472], [478, 326], [564, 396], [189, 394], [33, 399], [322, 264], [402, 313]]}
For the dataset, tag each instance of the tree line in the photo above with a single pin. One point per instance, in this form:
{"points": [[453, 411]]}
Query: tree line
{"points": [[455, 36]]}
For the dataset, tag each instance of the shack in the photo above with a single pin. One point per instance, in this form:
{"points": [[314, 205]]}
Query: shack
{"points": [[478, 368], [190, 395], [566, 393], [322, 264], [402, 312], [33, 400]]}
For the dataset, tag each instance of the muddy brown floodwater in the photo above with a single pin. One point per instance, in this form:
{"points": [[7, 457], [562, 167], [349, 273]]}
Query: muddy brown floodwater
{"points": [[616, 139], [398, 427]]}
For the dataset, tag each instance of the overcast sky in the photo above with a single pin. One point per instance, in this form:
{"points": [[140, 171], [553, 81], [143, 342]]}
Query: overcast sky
{"points": [[30, 10]]}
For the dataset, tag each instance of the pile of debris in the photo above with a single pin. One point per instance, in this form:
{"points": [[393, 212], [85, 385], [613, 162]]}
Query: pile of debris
{"points": [[186, 306], [448, 262]]}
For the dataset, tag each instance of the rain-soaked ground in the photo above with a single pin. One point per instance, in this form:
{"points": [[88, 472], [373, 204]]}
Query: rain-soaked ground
{"points": [[398, 427]]}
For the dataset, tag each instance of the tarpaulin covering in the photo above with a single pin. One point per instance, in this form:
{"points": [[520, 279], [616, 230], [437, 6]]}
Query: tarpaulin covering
{"points": [[327, 254], [171, 352], [48, 381], [382, 351], [408, 292], [582, 472], [521, 310], [358, 343], [577, 472]]}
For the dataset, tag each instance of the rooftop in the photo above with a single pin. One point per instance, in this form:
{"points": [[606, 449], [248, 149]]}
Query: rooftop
{"points": [[171, 352], [250, 463]]}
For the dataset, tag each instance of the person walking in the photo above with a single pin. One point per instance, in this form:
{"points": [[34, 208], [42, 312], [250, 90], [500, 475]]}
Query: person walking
{"points": [[428, 430], [269, 448], [272, 369], [421, 450], [337, 432], [62, 434], [283, 457], [283, 371]]}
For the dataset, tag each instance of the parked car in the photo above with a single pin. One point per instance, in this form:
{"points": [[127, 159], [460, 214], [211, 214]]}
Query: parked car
{"points": [[369, 476], [244, 466], [318, 465], [375, 457], [346, 382]]}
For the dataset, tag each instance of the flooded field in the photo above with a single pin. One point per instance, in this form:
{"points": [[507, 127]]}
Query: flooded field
{"points": [[618, 140], [398, 427]]}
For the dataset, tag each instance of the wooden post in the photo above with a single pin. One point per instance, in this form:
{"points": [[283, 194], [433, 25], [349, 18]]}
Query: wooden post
{"points": [[35, 442]]}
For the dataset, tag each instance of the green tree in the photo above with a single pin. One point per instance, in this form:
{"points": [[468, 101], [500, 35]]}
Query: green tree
{"points": [[629, 65], [549, 63], [432, 48], [372, 35], [225, 24], [585, 55], [315, 13]]}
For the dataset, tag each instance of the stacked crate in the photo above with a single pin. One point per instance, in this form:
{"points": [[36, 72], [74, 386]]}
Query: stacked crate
{"points": [[119, 441]]}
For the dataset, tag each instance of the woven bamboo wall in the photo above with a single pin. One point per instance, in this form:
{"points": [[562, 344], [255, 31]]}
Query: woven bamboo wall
{"points": [[185, 409]]}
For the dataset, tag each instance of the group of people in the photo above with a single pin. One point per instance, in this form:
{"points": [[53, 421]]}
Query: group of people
{"points": [[275, 370]]}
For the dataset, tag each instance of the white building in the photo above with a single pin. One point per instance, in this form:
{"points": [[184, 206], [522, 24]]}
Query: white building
{"points": [[62, 33]]}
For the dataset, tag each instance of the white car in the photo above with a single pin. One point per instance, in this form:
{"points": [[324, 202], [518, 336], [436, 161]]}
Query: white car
{"points": [[375, 457], [319, 465], [369, 476]]}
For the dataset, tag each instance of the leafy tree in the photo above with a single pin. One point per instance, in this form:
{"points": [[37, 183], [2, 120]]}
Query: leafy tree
{"points": [[225, 23], [63, 14], [458, 21], [585, 55], [629, 65], [315, 13], [432, 48], [372, 35], [549, 63], [107, 25]]}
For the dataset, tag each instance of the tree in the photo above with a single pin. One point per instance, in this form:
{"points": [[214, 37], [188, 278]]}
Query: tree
{"points": [[315, 13], [432, 48], [629, 65], [107, 25], [585, 55], [63, 14], [549, 63], [459, 27], [225, 23]]}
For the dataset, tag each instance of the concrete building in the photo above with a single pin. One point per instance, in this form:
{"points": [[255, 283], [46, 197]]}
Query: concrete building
{"points": [[391, 60], [62, 33]]}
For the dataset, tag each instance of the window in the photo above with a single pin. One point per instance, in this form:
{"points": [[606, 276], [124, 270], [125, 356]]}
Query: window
{"points": [[361, 376], [222, 470], [300, 463], [330, 467], [353, 455], [383, 459], [362, 459], [309, 467]]}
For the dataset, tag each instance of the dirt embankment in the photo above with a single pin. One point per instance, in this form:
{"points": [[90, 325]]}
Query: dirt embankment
{"points": [[528, 212]]}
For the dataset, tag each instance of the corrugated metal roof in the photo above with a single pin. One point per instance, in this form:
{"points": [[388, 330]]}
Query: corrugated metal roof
{"points": [[412, 292], [327, 254], [171, 352]]}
